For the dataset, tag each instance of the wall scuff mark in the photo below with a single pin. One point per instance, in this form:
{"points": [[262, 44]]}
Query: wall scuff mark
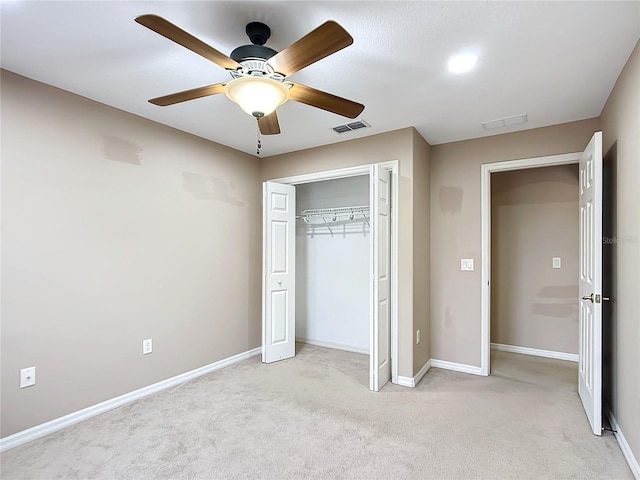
{"points": [[450, 199], [120, 150], [204, 187]]}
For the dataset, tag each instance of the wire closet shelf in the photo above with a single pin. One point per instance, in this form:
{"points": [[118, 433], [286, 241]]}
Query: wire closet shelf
{"points": [[325, 216]]}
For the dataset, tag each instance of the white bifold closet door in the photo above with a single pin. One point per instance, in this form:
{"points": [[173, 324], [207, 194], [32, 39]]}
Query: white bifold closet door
{"points": [[279, 267], [380, 351]]}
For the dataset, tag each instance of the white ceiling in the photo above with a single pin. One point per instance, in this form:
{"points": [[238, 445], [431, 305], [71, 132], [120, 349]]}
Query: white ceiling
{"points": [[555, 61]]}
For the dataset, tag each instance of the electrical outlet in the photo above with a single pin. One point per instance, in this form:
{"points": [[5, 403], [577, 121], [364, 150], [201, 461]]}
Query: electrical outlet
{"points": [[557, 262], [27, 377], [417, 337], [147, 346]]}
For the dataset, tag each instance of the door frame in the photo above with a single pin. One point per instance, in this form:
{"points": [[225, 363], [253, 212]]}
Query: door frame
{"points": [[486, 170], [393, 167]]}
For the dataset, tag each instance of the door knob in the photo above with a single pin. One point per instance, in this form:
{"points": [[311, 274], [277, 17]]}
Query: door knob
{"points": [[280, 282], [589, 297]]}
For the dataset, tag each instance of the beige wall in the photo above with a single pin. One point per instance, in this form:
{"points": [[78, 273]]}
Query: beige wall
{"points": [[421, 250], [620, 122], [534, 217], [456, 227], [396, 145], [116, 229]]}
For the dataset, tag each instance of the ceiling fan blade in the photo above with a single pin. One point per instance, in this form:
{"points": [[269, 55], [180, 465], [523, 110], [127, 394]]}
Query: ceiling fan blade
{"points": [[325, 101], [269, 124], [176, 34], [188, 95], [325, 40]]}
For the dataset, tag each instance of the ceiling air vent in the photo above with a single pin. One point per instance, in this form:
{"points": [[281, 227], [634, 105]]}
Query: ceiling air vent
{"points": [[505, 122], [350, 127]]}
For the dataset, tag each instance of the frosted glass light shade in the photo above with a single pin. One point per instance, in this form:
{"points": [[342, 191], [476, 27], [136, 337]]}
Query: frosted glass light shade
{"points": [[258, 96]]}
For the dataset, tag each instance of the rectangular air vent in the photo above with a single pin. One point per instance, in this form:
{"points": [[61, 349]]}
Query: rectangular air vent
{"points": [[505, 122], [350, 127]]}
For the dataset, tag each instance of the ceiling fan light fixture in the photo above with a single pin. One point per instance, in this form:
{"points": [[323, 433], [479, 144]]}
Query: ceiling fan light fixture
{"points": [[258, 96]]}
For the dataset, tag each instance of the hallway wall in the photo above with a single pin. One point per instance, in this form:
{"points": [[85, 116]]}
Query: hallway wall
{"points": [[534, 217]]}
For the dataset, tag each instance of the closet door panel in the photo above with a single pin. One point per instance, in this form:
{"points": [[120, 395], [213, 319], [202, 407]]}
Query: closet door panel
{"points": [[278, 310], [381, 223]]}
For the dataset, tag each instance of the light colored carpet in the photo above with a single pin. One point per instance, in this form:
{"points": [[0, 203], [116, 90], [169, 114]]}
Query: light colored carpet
{"points": [[313, 417], [545, 372]]}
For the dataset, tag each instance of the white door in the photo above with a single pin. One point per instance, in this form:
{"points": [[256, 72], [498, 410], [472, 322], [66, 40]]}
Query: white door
{"points": [[278, 290], [380, 356], [590, 290]]}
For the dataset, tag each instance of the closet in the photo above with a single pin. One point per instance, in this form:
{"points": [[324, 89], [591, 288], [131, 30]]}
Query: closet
{"points": [[329, 262], [332, 278]]}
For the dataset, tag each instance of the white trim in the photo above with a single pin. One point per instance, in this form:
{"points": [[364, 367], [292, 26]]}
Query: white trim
{"points": [[78, 416], [422, 372], [485, 315], [536, 352], [411, 382], [374, 326], [406, 381], [456, 367], [394, 167], [327, 175], [336, 346], [263, 348], [485, 201], [624, 446]]}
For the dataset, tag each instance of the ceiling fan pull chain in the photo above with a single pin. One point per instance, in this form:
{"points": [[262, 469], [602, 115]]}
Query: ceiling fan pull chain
{"points": [[259, 142]]}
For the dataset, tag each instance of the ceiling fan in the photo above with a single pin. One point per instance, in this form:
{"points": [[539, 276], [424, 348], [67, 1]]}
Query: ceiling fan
{"points": [[259, 74]]}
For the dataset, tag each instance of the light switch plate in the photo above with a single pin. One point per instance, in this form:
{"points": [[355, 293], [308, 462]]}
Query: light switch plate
{"points": [[557, 262], [466, 264]]}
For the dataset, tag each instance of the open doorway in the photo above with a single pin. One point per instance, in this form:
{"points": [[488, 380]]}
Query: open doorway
{"points": [[285, 270], [590, 292], [534, 275], [487, 171]]}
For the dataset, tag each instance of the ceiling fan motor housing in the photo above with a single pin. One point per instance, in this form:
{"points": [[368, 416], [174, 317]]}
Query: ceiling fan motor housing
{"points": [[258, 33], [249, 52]]}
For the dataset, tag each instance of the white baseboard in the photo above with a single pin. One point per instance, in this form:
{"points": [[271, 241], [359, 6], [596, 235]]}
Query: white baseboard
{"points": [[336, 346], [456, 367], [423, 371], [413, 381], [54, 425], [536, 352], [624, 446]]}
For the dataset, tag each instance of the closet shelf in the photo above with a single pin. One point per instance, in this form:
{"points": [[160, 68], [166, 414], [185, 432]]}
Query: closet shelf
{"points": [[335, 214]]}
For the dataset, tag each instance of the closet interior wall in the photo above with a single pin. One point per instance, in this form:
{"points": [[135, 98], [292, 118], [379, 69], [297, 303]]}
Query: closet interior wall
{"points": [[332, 266]]}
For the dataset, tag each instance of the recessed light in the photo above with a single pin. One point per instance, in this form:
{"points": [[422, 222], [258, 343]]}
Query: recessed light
{"points": [[462, 63]]}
